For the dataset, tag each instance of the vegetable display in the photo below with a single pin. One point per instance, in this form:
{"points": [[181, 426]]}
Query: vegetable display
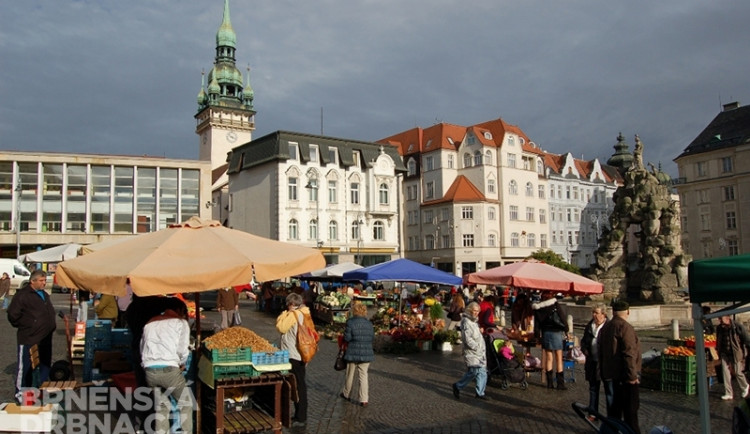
{"points": [[237, 337]]}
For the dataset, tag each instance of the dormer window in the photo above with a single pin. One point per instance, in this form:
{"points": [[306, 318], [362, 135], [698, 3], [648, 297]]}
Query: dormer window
{"points": [[488, 135], [410, 149], [429, 143]]}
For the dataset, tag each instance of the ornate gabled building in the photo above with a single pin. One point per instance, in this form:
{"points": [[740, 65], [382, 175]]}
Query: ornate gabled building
{"points": [[713, 186], [473, 196]]}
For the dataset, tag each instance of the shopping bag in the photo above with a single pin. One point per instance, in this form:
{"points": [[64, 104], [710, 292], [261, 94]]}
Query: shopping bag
{"points": [[340, 363], [237, 318], [307, 339]]}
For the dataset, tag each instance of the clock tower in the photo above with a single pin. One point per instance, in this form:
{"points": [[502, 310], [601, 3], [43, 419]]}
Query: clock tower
{"points": [[225, 116]]}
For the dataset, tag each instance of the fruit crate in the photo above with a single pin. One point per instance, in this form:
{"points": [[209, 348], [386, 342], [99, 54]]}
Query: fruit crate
{"points": [[222, 372], [678, 363], [270, 358], [676, 342], [679, 387], [224, 355], [669, 376]]}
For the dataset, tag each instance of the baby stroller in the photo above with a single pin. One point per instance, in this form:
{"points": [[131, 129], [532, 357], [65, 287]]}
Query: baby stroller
{"points": [[509, 371]]}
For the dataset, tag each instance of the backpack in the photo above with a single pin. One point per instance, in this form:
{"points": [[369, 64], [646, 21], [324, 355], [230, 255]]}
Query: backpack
{"points": [[307, 339]]}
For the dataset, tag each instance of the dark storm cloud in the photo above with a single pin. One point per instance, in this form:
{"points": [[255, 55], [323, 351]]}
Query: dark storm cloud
{"points": [[122, 77]]}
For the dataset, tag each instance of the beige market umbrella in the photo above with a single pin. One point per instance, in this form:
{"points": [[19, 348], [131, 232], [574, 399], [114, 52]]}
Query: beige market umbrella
{"points": [[197, 255], [536, 275]]}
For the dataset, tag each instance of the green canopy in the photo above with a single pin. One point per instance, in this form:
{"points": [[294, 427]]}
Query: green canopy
{"points": [[725, 279]]}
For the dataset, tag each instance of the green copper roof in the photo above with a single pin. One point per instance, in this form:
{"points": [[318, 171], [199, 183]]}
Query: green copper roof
{"points": [[226, 36]]}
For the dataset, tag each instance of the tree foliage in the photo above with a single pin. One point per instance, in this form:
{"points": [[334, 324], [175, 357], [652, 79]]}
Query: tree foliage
{"points": [[551, 258]]}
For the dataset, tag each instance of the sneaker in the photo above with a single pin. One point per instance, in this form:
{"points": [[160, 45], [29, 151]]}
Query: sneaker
{"points": [[746, 391], [592, 418], [363, 404], [456, 391], [727, 397], [483, 397]]}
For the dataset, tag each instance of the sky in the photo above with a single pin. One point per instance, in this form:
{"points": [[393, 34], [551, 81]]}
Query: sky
{"points": [[122, 77]]}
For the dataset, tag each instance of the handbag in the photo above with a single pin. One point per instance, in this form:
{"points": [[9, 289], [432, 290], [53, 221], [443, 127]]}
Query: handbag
{"points": [[553, 319], [340, 363], [307, 340], [237, 320]]}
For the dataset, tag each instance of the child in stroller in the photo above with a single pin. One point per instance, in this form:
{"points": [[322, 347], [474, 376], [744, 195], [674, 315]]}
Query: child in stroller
{"points": [[504, 363]]}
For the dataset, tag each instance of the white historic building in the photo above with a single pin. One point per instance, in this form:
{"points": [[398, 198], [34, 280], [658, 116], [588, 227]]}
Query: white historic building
{"points": [[338, 195]]}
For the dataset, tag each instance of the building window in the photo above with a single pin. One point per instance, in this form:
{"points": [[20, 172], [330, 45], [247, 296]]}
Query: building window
{"points": [[543, 241], [491, 213], [726, 165], [355, 231], [430, 192], [705, 221], [293, 230], [731, 220], [531, 240], [488, 158], [477, 158], [511, 141], [428, 216], [491, 186], [529, 189], [701, 168], [467, 160], [451, 161], [313, 153], [333, 230], [412, 168], [355, 157], [467, 212], [332, 155], [354, 192], [312, 190], [378, 231], [312, 230], [293, 152], [468, 240], [445, 214], [292, 185], [512, 160], [491, 240], [575, 193], [526, 163], [429, 242], [733, 247], [703, 196], [332, 192], [514, 240], [429, 163], [728, 192], [384, 200], [569, 214], [411, 192], [529, 214], [567, 192], [541, 190], [513, 187], [706, 245], [542, 216], [576, 215], [513, 212], [446, 240]]}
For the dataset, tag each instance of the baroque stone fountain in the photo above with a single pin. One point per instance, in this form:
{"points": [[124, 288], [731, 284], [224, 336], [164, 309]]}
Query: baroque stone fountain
{"points": [[640, 256]]}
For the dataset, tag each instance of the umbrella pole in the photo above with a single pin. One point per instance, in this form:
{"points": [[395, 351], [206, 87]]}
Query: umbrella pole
{"points": [[196, 354]]}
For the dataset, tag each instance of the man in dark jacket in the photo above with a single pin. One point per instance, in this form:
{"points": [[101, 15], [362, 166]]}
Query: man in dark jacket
{"points": [[32, 313], [620, 366], [590, 348]]}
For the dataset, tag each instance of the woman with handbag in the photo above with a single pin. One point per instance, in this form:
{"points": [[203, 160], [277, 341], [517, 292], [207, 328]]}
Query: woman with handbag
{"points": [[358, 336], [551, 327], [288, 325]]}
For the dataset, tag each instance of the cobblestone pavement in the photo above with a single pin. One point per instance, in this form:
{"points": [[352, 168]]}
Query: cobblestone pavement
{"points": [[412, 394]]}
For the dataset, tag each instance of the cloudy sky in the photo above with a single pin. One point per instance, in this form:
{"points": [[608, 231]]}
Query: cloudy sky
{"points": [[121, 77]]}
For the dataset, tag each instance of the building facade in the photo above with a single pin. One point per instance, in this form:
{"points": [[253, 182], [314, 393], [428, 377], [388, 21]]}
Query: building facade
{"points": [[47, 199], [338, 195], [714, 187]]}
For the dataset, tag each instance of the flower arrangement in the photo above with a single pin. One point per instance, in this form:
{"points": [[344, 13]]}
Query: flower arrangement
{"points": [[450, 336]]}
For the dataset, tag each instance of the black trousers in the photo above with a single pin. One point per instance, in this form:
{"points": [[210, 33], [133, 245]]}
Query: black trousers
{"points": [[625, 404], [300, 407]]}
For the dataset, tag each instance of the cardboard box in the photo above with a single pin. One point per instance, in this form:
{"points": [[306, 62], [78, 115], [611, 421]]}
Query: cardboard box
{"points": [[15, 418], [80, 330]]}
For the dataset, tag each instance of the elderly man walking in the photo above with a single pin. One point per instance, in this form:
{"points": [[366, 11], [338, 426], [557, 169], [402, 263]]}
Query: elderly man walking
{"points": [[475, 353]]}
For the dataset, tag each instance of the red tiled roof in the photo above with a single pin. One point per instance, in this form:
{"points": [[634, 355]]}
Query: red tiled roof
{"points": [[462, 190]]}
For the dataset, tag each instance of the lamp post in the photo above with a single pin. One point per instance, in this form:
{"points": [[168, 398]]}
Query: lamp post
{"points": [[18, 216], [312, 187], [359, 223]]}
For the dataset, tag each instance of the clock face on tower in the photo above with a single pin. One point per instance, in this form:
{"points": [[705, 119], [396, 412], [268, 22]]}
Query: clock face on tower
{"points": [[232, 137]]}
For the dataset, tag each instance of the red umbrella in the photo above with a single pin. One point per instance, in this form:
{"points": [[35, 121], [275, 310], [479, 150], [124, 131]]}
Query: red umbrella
{"points": [[535, 275]]}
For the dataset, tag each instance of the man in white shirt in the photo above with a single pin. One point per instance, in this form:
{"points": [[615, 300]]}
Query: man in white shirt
{"points": [[164, 353]]}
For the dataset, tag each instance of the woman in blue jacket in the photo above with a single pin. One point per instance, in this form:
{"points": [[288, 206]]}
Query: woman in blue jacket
{"points": [[358, 335]]}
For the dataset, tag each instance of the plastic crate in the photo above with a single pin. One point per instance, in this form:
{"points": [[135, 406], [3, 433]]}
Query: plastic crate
{"points": [[668, 376], [678, 363], [229, 354], [222, 372], [679, 387], [271, 358], [676, 343], [99, 331]]}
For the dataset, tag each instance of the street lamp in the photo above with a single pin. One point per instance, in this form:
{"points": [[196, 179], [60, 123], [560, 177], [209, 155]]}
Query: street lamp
{"points": [[359, 223], [312, 188], [18, 215]]}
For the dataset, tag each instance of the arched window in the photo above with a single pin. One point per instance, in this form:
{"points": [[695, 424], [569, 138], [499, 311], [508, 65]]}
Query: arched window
{"points": [[488, 157], [529, 189], [378, 231], [513, 187], [313, 230], [491, 185], [412, 168], [477, 158], [491, 240], [333, 230], [467, 160], [293, 230], [384, 194], [531, 240], [490, 213]]}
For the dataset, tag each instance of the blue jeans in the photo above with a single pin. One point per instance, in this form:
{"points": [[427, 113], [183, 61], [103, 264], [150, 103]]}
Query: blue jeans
{"points": [[478, 373], [609, 396]]}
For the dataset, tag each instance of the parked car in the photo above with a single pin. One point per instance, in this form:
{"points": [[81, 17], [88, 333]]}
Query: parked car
{"points": [[52, 285]]}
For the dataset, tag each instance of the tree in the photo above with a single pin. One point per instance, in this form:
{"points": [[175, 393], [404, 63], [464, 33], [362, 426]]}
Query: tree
{"points": [[551, 258]]}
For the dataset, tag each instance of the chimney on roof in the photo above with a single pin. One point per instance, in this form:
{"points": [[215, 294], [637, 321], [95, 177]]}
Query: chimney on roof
{"points": [[731, 106]]}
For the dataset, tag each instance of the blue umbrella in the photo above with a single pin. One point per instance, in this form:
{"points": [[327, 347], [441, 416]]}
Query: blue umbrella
{"points": [[402, 270]]}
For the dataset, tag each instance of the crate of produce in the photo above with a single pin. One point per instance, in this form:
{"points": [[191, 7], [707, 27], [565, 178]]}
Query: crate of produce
{"points": [[676, 342], [228, 355], [677, 363], [270, 358], [222, 372], [669, 376], [679, 387]]}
